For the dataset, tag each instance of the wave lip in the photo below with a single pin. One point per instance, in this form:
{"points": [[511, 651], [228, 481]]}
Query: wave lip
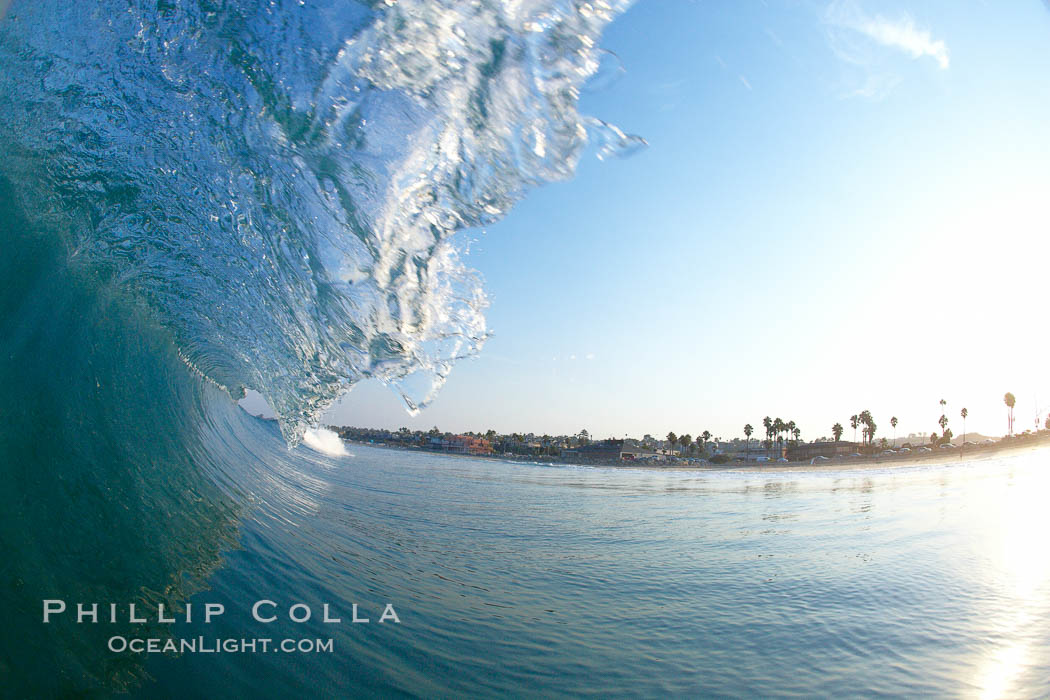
{"points": [[280, 184]]}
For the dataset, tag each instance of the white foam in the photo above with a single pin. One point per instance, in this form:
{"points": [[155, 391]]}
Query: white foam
{"points": [[325, 442]]}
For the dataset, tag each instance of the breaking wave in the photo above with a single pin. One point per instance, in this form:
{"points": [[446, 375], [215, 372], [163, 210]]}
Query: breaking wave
{"points": [[280, 183], [199, 197]]}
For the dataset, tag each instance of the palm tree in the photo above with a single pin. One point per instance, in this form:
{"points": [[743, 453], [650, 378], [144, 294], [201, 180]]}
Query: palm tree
{"points": [[1010, 401], [685, 441], [790, 427], [893, 422], [706, 437], [864, 418], [943, 422], [778, 428], [964, 413], [836, 430], [854, 421], [673, 439], [768, 423], [747, 445]]}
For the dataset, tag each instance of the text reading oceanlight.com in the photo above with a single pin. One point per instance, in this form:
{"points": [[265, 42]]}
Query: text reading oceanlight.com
{"points": [[200, 645]]}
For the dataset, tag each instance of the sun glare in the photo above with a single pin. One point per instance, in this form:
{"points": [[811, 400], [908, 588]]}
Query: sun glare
{"points": [[1018, 555]]}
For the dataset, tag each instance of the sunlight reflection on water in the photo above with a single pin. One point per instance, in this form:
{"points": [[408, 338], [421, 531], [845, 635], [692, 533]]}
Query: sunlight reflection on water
{"points": [[1017, 533]]}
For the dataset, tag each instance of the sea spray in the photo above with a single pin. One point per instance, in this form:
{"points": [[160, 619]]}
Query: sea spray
{"points": [[324, 441]]}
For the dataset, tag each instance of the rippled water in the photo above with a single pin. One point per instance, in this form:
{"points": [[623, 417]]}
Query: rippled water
{"points": [[554, 580]]}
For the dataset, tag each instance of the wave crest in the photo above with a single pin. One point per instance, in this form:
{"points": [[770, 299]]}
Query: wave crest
{"points": [[281, 184]]}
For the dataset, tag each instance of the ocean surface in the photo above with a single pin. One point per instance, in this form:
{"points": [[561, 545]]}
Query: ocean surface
{"points": [[530, 579], [202, 197], [517, 579]]}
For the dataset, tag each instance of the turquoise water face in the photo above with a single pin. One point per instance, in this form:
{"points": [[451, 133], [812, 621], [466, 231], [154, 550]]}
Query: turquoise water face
{"points": [[526, 579]]}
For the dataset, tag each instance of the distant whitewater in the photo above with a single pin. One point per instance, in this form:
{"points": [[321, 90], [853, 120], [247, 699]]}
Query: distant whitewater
{"points": [[279, 183]]}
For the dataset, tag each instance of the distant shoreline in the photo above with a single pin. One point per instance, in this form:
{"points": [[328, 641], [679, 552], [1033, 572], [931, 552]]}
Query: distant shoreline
{"points": [[978, 453]]}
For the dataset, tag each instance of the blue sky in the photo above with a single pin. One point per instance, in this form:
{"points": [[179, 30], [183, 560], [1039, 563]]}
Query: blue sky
{"points": [[843, 206]]}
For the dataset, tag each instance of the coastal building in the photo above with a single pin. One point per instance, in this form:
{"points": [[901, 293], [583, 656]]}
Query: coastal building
{"points": [[604, 451], [461, 444], [808, 450], [638, 453], [611, 451]]}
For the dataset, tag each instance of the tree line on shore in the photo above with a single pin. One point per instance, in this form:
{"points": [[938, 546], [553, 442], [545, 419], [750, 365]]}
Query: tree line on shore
{"points": [[779, 435]]}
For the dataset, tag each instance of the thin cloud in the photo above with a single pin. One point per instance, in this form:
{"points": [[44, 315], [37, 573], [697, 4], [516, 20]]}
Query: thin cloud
{"points": [[901, 34], [904, 35], [745, 82]]}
